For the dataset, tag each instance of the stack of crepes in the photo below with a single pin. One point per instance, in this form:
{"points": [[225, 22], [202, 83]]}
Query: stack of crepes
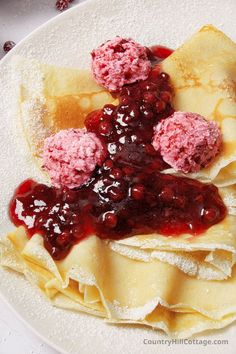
{"points": [[182, 285]]}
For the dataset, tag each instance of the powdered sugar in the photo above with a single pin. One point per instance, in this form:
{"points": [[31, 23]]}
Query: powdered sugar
{"points": [[185, 262]]}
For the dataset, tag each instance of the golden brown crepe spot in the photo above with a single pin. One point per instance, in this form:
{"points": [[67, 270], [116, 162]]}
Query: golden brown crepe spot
{"points": [[225, 114], [85, 103], [228, 127], [54, 98], [59, 81], [227, 150], [99, 100], [216, 114], [91, 294], [68, 113], [208, 28], [190, 79], [227, 176]]}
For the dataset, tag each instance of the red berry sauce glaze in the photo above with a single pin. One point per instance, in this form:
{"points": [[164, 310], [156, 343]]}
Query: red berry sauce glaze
{"points": [[157, 53], [128, 195]]}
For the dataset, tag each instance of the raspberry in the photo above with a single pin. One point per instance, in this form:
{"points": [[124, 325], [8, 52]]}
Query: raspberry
{"points": [[62, 5], [8, 46], [137, 191], [110, 219]]}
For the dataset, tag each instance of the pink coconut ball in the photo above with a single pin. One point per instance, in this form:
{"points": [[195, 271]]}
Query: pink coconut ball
{"points": [[70, 157], [119, 62], [187, 141]]}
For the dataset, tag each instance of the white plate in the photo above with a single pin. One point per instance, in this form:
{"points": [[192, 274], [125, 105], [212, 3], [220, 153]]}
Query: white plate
{"points": [[68, 40]]}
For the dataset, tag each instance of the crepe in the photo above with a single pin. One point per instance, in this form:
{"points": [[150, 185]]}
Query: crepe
{"points": [[203, 73], [54, 98], [96, 280], [210, 255], [182, 285]]}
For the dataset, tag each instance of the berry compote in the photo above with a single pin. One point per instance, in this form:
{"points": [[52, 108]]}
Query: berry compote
{"points": [[128, 194], [157, 53]]}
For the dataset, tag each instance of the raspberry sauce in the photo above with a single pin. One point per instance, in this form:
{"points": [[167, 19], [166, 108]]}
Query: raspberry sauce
{"points": [[128, 195], [158, 53]]}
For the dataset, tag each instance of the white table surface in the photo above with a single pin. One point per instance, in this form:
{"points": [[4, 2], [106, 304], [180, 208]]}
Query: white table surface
{"points": [[17, 19]]}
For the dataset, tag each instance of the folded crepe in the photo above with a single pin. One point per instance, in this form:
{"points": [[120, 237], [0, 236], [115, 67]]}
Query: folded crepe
{"points": [[99, 281], [54, 98], [182, 285], [203, 73]]}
